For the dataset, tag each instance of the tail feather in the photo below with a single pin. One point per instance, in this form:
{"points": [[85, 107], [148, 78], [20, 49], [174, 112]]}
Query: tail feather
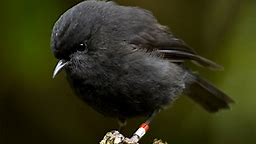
{"points": [[208, 96]]}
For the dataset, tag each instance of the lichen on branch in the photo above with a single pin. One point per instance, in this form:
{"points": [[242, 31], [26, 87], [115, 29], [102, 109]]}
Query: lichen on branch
{"points": [[114, 137]]}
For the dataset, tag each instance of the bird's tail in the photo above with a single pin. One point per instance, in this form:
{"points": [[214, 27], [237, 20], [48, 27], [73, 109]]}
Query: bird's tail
{"points": [[207, 95]]}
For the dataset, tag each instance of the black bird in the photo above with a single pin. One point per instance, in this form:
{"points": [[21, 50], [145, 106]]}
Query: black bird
{"points": [[124, 64]]}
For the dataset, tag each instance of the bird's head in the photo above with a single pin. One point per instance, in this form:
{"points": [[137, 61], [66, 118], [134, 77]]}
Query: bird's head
{"points": [[73, 32]]}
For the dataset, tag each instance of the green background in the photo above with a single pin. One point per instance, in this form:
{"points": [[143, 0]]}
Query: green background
{"points": [[34, 108]]}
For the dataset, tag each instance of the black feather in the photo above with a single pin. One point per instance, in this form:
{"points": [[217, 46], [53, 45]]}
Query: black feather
{"points": [[207, 95], [182, 55]]}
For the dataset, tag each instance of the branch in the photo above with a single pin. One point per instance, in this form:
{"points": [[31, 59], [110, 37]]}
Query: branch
{"points": [[114, 137]]}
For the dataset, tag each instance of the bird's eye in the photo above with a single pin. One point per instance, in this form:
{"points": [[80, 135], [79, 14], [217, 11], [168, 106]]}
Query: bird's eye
{"points": [[82, 47]]}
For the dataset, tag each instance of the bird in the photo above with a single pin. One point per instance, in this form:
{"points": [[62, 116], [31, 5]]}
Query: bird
{"points": [[123, 63]]}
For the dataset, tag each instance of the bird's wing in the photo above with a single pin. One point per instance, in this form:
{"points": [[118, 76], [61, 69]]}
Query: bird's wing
{"points": [[158, 38]]}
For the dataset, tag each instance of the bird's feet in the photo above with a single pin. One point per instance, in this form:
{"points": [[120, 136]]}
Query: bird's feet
{"points": [[115, 137]]}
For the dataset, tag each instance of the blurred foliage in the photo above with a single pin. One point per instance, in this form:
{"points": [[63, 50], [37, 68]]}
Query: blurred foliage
{"points": [[37, 109]]}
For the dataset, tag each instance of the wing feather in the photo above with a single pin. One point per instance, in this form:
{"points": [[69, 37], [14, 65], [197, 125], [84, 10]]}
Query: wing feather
{"points": [[158, 38]]}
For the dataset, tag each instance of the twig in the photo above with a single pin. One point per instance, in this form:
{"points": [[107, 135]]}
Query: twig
{"points": [[115, 137]]}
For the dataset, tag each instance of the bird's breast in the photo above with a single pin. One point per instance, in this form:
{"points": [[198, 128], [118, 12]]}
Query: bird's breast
{"points": [[131, 85]]}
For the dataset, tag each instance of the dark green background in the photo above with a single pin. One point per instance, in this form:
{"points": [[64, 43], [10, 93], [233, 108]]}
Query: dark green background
{"points": [[36, 109]]}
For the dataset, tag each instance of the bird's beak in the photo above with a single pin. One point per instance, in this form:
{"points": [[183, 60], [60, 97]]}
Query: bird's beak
{"points": [[60, 65]]}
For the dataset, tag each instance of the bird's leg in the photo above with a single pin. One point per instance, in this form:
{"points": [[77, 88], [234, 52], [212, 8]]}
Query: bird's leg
{"points": [[122, 123], [143, 128], [151, 116]]}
